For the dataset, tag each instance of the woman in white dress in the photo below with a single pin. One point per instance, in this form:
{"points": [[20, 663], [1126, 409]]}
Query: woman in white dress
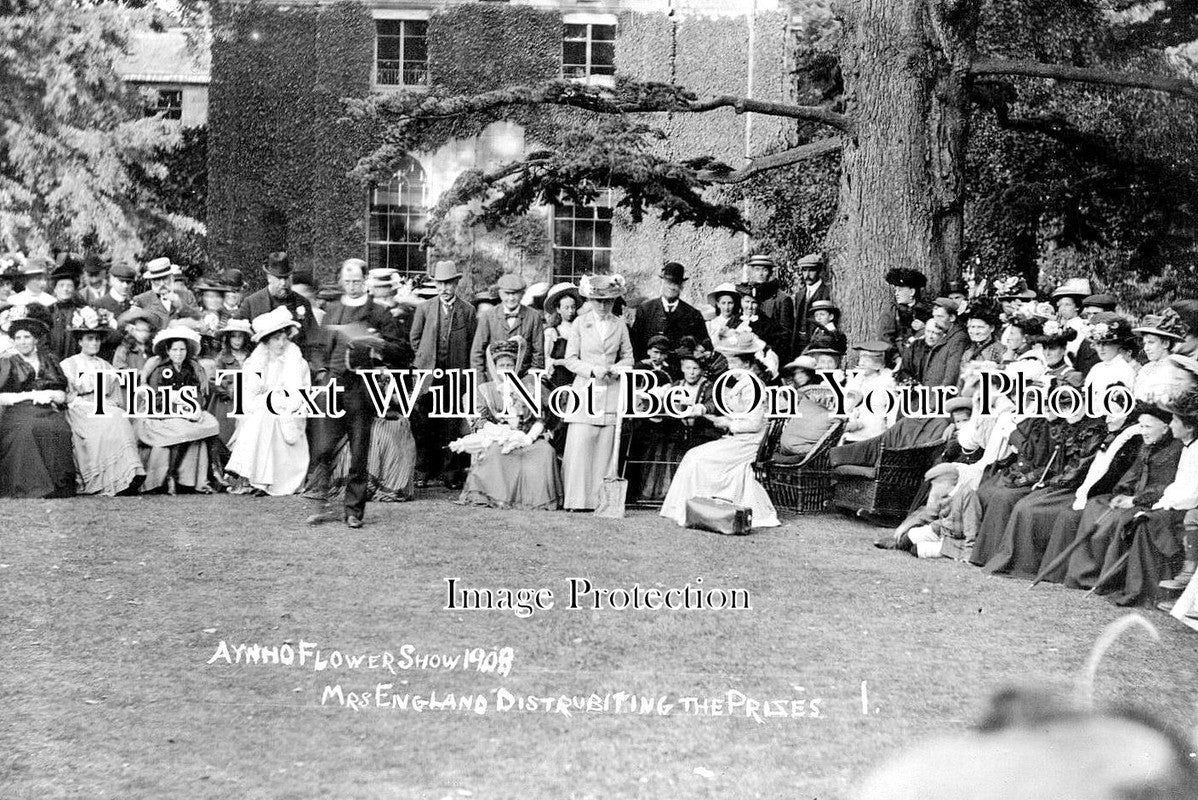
{"points": [[269, 448], [1160, 379], [724, 468], [598, 349], [106, 454], [561, 309], [725, 299], [1111, 336]]}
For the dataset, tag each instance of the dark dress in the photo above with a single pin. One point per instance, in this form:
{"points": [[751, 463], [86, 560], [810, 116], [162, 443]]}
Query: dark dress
{"points": [[36, 451], [1031, 522], [1155, 543], [1103, 527], [1037, 446]]}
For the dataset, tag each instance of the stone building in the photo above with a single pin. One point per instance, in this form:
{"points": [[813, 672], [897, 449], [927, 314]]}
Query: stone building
{"points": [[280, 148]]}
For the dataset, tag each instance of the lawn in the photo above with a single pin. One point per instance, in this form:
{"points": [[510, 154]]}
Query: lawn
{"points": [[112, 609]]}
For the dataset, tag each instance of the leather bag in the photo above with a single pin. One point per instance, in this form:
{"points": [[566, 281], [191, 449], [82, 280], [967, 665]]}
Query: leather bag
{"points": [[718, 515]]}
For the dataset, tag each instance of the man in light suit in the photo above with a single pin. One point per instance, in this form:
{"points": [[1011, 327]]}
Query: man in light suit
{"points": [[667, 315], [442, 334], [163, 302], [506, 320]]}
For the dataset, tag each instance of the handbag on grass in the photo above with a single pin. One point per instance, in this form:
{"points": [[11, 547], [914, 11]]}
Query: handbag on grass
{"points": [[718, 515]]}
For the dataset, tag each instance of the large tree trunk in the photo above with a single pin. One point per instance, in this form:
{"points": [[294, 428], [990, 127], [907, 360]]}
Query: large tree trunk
{"points": [[901, 191]]}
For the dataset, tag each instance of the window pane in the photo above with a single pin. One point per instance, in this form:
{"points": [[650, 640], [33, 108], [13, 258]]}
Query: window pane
{"points": [[389, 27], [419, 27], [574, 53], [415, 49], [603, 33], [576, 32], [603, 235], [601, 261], [603, 54], [388, 48]]}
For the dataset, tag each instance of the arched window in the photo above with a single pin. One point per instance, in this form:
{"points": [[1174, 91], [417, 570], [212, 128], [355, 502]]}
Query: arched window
{"points": [[398, 215]]}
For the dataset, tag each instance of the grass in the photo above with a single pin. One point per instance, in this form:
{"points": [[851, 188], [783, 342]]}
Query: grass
{"points": [[112, 607]]}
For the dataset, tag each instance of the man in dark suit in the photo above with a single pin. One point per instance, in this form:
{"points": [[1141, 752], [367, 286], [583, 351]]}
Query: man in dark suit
{"points": [[667, 315], [278, 292], [442, 334], [120, 278], [772, 299], [163, 302], [335, 354], [506, 320], [813, 290]]}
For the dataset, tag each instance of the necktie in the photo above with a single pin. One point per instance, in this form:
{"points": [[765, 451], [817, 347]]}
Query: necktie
{"points": [[670, 307], [512, 319]]}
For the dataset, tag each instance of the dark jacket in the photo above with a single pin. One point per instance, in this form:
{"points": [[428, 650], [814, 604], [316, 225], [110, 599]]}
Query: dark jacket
{"points": [[329, 350], [1155, 468], [652, 320], [423, 336], [262, 301], [802, 326], [492, 327]]}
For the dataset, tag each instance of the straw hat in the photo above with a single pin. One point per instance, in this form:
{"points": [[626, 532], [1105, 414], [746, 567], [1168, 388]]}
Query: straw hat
{"points": [[183, 333], [557, 292], [157, 268], [726, 288], [1167, 325], [277, 319], [602, 287], [731, 342], [236, 326]]}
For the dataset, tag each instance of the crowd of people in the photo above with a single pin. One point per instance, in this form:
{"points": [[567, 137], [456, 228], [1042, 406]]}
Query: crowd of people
{"points": [[1104, 503]]}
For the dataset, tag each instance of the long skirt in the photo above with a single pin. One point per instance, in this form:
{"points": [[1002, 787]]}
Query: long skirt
{"points": [[585, 463], [181, 441], [391, 464], [1100, 529], [1062, 532], [1028, 531], [997, 502], [36, 453], [105, 447], [262, 454], [723, 469], [1155, 543], [525, 479]]}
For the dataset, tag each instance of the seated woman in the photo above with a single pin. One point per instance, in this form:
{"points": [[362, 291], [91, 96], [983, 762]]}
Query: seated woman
{"points": [[724, 468], [872, 376], [234, 339], [1112, 339], [513, 464], [270, 449], [179, 438], [105, 446], [1160, 379], [1141, 485], [810, 417], [36, 457], [661, 442], [1136, 567], [134, 350]]}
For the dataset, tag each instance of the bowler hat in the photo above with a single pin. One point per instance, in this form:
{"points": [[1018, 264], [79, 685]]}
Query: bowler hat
{"points": [[906, 277], [673, 272], [233, 279], [278, 265], [446, 271]]}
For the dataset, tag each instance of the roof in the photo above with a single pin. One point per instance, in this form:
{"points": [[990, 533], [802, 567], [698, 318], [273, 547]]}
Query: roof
{"points": [[166, 57]]}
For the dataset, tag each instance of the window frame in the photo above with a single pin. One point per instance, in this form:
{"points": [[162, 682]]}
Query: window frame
{"points": [[590, 21], [604, 200], [409, 166], [155, 107], [398, 15]]}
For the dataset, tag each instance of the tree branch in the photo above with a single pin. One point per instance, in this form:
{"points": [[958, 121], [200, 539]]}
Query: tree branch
{"points": [[628, 97], [774, 161], [1059, 72]]}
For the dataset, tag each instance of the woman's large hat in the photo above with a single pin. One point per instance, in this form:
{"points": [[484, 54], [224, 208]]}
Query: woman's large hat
{"points": [[277, 319], [1184, 404], [36, 265], [235, 325], [183, 333], [602, 287], [732, 342], [92, 320], [557, 292], [1167, 325], [1054, 334], [1109, 328], [1077, 288], [907, 277], [726, 288], [985, 309], [534, 295], [35, 319]]}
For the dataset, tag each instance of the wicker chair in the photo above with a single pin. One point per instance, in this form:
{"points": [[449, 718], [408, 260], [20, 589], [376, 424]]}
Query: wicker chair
{"points": [[804, 486], [885, 490]]}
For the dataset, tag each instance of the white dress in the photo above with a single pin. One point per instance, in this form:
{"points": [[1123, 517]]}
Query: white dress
{"points": [[270, 450], [724, 468]]}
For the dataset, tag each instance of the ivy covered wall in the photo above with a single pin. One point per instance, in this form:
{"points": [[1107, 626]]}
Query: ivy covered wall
{"points": [[280, 154]]}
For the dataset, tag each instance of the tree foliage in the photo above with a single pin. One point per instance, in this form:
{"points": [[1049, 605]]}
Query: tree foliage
{"points": [[72, 134]]}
